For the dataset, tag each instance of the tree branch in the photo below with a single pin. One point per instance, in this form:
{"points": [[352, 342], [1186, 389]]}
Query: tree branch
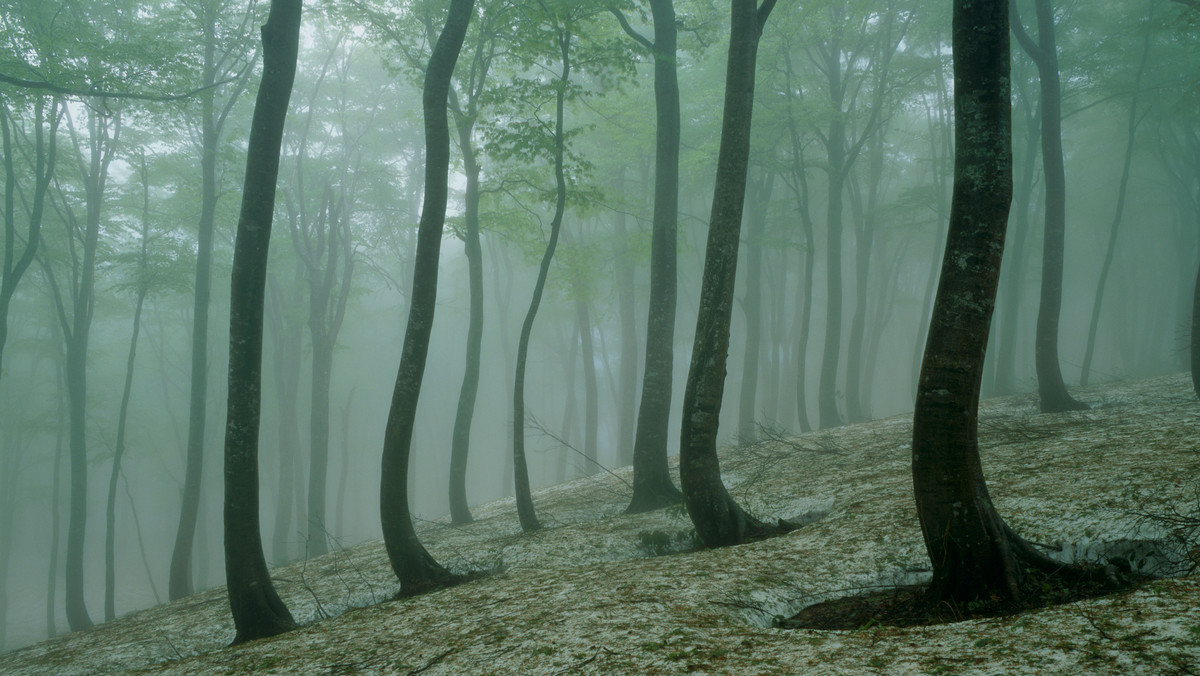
{"points": [[73, 91], [638, 37]]}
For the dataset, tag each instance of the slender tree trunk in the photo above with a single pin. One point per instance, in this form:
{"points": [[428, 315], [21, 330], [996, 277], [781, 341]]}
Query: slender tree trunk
{"points": [[827, 407], [460, 443], [718, 519], [525, 509], [1130, 136], [652, 487], [865, 242], [591, 394], [412, 564], [55, 515], [752, 309], [285, 364], [1011, 286], [257, 610], [45, 154], [1052, 390], [110, 611], [626, 313]]}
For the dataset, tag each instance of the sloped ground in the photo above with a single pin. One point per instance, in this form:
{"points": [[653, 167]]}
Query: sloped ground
{"points": [[586, 596]]}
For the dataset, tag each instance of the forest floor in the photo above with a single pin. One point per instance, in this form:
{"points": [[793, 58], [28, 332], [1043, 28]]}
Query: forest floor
{"points": [[599, 592]]}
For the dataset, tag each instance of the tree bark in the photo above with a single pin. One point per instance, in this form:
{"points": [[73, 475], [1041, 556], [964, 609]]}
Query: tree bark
{"points": [[412, 564], [652, 486], [974, 553], [718, 519], [257, 610]]}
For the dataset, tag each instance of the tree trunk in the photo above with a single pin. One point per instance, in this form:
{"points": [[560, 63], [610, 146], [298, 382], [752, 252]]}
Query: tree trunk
{"points": [[628, 370], [1011, 283], [285, 362], [1052, 390], [256, 607], [119, 447], [412, 564], [827, 408], [525, 509], [180, 582], [1130, 135], [652, 487], [974, 553], [591, 395], [752, 309], [864, 244], [460, 443], [720, 521], [45, 153]]}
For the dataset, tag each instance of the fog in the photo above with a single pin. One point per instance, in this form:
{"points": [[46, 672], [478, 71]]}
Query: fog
{"points": [[354, 133]]}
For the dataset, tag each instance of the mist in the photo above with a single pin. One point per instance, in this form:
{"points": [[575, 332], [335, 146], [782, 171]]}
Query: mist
{"points": [[852, 150]]}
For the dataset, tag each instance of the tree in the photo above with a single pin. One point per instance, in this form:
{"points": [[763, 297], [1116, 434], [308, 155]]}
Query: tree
{"points": [[719, 520], [217, 64], [45, 154], [652, 487], [975, 554], [415, 568], [1131, 126], [1051, 388], [142, 288], [257, 610]]}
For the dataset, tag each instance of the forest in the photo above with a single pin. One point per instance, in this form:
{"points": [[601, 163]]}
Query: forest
{"points": [[649, 229]]}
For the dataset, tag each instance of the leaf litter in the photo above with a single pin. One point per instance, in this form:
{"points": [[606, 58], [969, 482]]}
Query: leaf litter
{"points": [[601, 592]]}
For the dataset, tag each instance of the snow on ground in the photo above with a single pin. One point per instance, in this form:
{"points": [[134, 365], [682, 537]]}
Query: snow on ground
{"points": [[599, 592]]}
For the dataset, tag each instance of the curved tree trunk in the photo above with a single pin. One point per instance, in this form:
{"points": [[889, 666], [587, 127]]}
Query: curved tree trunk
{"points": [[524, 497], [974, 554], [652, 486], [460, 443], [256, 607], [415, 568], [718, 519]]}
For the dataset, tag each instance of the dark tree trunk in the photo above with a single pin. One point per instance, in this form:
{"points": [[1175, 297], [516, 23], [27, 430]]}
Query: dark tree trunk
{"points": [[974, 553], [110, 611], [718, 519], [652, 487], [257, 609], [525, 510], [1119, 211], [1052, 390], [412, 564]]}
